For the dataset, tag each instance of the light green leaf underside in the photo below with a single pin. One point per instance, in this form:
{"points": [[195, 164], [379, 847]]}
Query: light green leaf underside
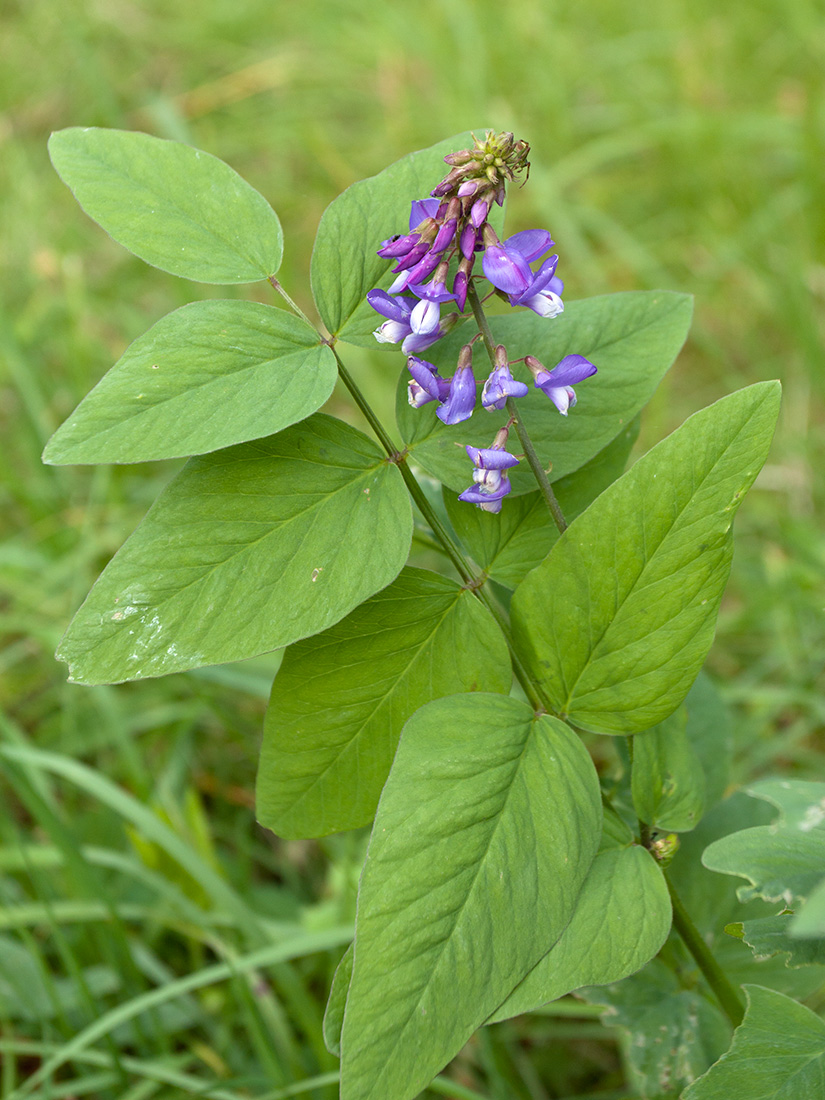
{"points": [[247, 550], [617, 620], [205, 377], [778, 1053], [486, 829], [668, 781], [770, 936], [344, 261], [632, 338], [783, 861], [175, 207], [673, 1034], [508, 545], [342, 697], [337, 1003], [621, 920]]}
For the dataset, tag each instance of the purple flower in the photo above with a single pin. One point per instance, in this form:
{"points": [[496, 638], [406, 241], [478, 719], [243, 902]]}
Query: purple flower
{"points": [[462, 397], [426, 384], [500, 385], [397, 311], [507, 266], [558, 383], [436, 289], [490, 485], [422, 209]]}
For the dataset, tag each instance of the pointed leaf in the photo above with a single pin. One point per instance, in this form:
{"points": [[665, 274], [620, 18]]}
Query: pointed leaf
{"points": [[342, 697], [621, 920], [485, 831], [668, 782], [617, 620], [246, 551], [204, 377], [778, 1053], [632, 338], [175, 207]]}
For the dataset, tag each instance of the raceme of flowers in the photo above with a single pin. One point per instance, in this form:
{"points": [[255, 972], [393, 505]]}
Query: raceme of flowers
{"points": [[447, 231]]}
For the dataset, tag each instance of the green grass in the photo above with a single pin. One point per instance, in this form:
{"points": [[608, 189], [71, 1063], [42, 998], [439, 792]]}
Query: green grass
{"points": [[172, 947]]}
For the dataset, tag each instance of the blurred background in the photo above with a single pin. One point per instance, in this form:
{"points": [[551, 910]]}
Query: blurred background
{"points": [[150, 932]]}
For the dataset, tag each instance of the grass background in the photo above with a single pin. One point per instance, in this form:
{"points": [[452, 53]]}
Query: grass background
{"points": [[677, 145]]}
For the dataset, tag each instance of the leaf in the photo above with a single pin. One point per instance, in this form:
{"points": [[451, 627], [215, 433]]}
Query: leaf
{"points": [[632, 338], [247, 550], [509, 544], [770, 936], [204, 377], [710, 733], [811, 920], [778, 1053], [485, 831], [337, 1003], [673, 1034], [668, 782], [783, 861], [344, 261], [342, 697], [175, 207], [617, 620], [621, 920], [714, 905]]}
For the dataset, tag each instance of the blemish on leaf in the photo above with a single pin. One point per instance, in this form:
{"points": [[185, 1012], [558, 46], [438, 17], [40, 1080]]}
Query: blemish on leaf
{"points": [[315, 573]]}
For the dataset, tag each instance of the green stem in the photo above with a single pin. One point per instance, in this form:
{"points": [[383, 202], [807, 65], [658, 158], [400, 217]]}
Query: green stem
{"points": [[292, 304], [527, 444], [718, 981]]}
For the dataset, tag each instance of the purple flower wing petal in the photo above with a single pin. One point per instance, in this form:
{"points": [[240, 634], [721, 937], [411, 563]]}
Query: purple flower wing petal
{"points": [[395, 309], [529, 243], [421, 209], [572, 369]]}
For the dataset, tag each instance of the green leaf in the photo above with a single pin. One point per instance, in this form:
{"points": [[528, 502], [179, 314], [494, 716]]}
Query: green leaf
{"points": [[337, 1003], [175, 207], [621, 920], [673, 1034], [783, 861], [485, 832], [632, 338], [509, 544], [247, 550], [778, 1053], [668, 782], [770, 936], [810, 921], [344, 261], [617, 620], [714, 905], [710, 733], [204, 377], [342, 697]]}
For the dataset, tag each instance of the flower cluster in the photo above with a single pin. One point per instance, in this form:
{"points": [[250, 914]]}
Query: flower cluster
{"points": [[434, 265]]}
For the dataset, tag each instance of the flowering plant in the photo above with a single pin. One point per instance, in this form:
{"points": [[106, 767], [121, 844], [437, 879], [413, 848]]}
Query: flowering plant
{"points": [[528, 732]]}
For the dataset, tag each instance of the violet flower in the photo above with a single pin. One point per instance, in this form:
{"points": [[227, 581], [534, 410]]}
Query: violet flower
{"points": [[490, 484], [462, 397], [507, 266], [558, 383], [500, 385], [426, 384]]}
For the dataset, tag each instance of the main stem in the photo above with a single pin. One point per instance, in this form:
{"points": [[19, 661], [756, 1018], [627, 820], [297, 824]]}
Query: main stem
{"points": [[718, 981]]}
